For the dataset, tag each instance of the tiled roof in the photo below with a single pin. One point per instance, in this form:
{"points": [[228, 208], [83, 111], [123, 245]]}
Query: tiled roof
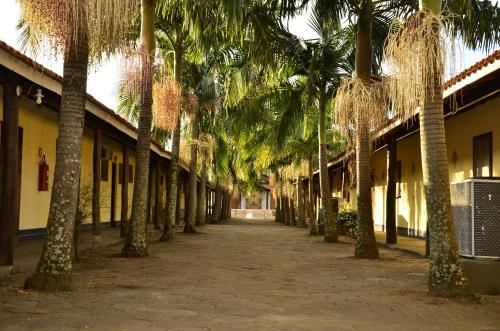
{"points": [[473, 69], [51, 74]]}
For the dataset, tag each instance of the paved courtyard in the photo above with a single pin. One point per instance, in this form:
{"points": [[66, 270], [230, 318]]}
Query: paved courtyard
{"points": [[244, 275]]}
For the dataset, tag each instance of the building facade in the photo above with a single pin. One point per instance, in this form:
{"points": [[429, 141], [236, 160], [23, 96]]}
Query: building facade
{"points": [[108, 150]]}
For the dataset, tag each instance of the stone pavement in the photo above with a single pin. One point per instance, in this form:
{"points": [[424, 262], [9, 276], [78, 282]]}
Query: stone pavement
{"points": [[244, 275], [27, 253]]}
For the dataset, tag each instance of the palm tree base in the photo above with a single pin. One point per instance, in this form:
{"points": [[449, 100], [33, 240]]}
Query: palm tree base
{"points": [[49, 282], [366, 251], [331, 238], [167, 236], [133, 251], [188, 228], [321, 229]]}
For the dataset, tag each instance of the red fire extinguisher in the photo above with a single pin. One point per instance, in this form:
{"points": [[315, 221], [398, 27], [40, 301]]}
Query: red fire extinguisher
{"points": [[43, 175]]}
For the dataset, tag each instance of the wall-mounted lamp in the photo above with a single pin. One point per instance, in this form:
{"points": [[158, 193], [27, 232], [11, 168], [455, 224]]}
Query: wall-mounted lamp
{"points": [[39, 96], [19, 90]]}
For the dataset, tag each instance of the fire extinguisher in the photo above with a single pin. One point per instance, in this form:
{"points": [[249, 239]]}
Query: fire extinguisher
{"points": [[43, 175]]}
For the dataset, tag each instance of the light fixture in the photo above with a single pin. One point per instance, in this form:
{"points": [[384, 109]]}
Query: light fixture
{"points": [[39, 96], [19, 90]]}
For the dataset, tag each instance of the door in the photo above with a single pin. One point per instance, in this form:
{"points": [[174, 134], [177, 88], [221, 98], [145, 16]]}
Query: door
{"points": [[113, 194]]}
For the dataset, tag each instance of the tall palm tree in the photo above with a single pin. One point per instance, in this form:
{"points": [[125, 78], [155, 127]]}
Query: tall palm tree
{"points": [[136, 241], [478, 24], [86, 37]]}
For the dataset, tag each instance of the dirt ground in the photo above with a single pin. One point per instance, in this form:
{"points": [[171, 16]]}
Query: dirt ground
{"points": [[245, 275]]}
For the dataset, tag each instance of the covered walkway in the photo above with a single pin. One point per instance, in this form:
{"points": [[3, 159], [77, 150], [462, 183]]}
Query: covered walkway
{"points": [[244, 274]]}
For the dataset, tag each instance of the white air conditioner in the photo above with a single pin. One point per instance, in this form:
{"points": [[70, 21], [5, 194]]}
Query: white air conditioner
{"points": [[476, 210]]}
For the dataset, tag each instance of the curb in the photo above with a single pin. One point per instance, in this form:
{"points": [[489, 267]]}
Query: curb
{"points": [[392, 247]]}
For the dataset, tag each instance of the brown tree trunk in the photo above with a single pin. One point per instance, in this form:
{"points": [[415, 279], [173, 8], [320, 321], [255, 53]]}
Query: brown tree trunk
{"points": [[390, 220], [286, 206], [54, 270], [9, 204], [224, 206], [172, 201], [326, 216], [293, 220], [366, 245], [193, 177], [136, 242], [202, 193], [446, 277], [313, 228], [301, 223], [278, 199], [216, 216]]}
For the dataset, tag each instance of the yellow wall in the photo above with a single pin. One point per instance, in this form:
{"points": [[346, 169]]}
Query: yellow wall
{"points": [[39, 131], [459, 133], [460, 130]]}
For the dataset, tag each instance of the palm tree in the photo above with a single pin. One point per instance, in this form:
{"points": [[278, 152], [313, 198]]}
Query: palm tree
{"points": [[136, 241], [57, 22], [476, 24]]}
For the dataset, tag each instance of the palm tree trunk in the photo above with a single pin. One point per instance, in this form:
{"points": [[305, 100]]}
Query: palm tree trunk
{"points": [[228, 205], [293, 220], [200, 218], [278, 199], [54, 270], [313, 229], [136, 242], [326, 210], [301, 223], [170, 220], [446, 277], [366, 245], [218, 204], [390, 219], [193, 177], [286, 205]]}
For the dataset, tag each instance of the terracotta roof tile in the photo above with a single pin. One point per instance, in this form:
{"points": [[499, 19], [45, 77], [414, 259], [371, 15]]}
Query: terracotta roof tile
{"points": [[49, 73], [473, 69]]}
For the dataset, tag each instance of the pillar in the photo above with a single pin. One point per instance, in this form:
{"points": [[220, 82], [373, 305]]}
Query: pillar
{"points": [[96, 185], [9, 204], [390, 217], [157, 195], [124, 209]]}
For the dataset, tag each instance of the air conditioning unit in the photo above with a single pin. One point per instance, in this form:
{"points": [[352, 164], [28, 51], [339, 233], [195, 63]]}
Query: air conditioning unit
{"points": [[476, 210]]}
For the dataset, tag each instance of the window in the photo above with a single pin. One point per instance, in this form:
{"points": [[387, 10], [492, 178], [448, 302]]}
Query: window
{"points": [[130, 173], [482, 155], [398, 179], [104, 170]]}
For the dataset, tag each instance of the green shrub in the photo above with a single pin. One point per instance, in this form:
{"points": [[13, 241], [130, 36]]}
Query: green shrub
{"points": [[346, 223]]}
